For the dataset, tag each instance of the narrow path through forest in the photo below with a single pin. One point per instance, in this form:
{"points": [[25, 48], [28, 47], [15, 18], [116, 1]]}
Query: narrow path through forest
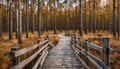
{"points": [[62, 56]]}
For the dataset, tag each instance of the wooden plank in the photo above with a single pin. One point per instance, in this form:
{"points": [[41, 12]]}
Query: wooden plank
{"points": [[39, 60], [99, 48], [44, 57], [51, 44], [23, 51], [76, 52], [92, 60], [96, 47], [92, 56], [62, 56], [95, 58], [81, 61], [26, 61], [75, 49]]}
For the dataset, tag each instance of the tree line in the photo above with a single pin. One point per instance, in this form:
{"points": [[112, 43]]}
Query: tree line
{"points": [[24, 16]]}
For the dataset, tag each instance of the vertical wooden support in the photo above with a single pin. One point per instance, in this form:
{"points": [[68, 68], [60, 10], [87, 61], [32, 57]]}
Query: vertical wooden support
{"points": [[14, 59], [87, 50], [45, 40], [71, 40], [47, 37], [106, 50], [80, 54], [75, 39], [38, 42]]}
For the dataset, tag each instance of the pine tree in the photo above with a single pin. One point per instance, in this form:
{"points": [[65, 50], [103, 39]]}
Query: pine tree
{"points": [[0, 22], [19, 27], [39, 18], [10, 19], [81, 27], [27, 25], [114, 22]]}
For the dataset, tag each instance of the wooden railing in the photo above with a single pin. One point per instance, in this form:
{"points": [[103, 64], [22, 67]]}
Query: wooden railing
{"points": [[42, 51], [81, 48]]}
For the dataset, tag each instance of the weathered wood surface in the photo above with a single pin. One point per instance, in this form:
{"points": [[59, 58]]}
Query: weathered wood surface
{"points": [[96, 47], [62, 56], [105, 49], [28, 60]]}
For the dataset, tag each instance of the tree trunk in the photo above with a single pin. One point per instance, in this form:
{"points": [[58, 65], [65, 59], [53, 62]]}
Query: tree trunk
{"points": [[19, 27], [54, 16], [85, 19], [39, 18], [27, 25], [51, 18], [32, 13], [66, 22], [114, 22], [47, 20], [10, 19], [81, 28], [89, 17], [0, 22], [94, 15], [119, 19], [16, 25]]}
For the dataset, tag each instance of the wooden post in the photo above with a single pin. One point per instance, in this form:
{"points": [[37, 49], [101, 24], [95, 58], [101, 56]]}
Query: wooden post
{"points": [[47, 37], [87, 50], [38, 41], [106, 50], [72, 39], [14, 59], [80, 54], [75, 38]]}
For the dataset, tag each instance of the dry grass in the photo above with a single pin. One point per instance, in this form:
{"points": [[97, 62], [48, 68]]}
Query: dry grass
{"points": [[114, 43], [6, 44]]}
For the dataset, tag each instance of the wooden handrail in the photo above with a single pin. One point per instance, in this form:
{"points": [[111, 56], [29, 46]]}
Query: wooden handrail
{"points": [[79, 49], [105, 49], [95, 47], [16, 52], [24, 50]]}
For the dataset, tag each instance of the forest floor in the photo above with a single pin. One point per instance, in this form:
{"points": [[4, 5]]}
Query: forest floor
{"points": [[6, 44], [114, 43]]}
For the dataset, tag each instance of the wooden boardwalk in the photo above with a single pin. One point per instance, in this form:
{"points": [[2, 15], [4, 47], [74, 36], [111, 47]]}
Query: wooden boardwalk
{"points": [[62, 56]]}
